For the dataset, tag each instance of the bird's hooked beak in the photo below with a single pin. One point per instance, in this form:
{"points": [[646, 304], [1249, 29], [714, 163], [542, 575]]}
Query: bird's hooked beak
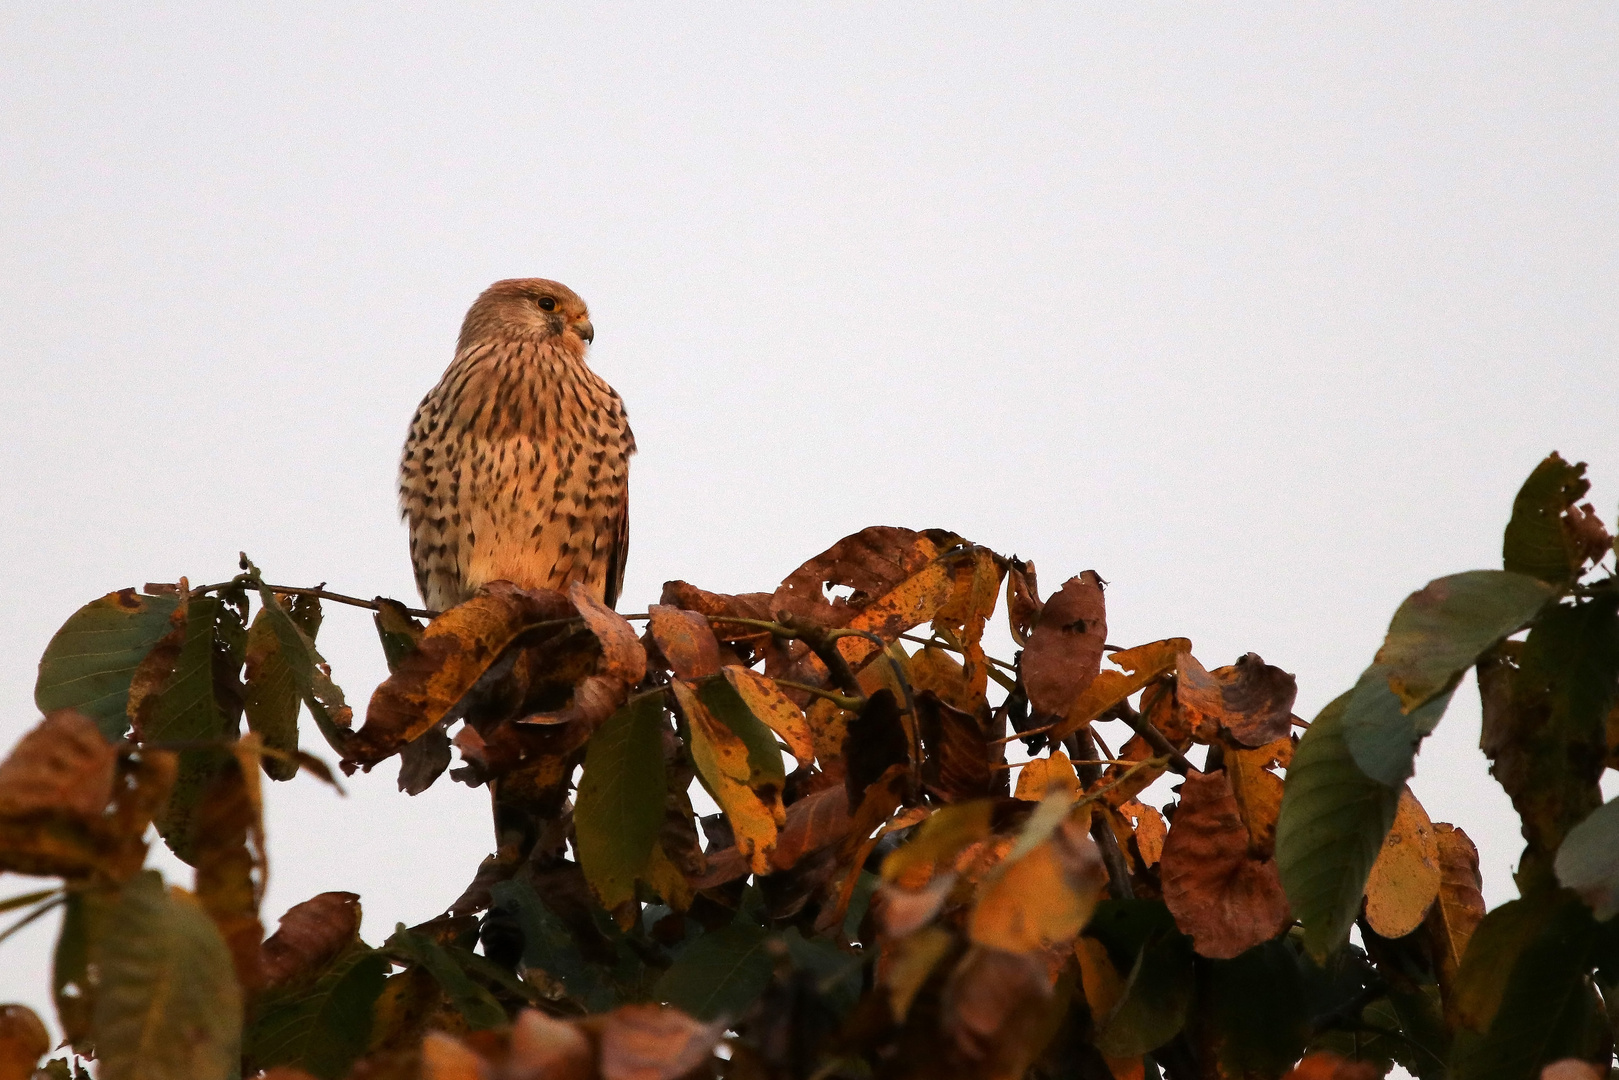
{"points": [[585, 330]]}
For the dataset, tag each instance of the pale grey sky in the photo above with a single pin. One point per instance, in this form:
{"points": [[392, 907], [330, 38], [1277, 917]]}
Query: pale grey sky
{"points": [[1262, 311]]}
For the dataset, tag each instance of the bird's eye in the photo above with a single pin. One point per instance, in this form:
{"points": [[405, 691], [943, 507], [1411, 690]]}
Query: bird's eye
{"points": [[547, 304]]}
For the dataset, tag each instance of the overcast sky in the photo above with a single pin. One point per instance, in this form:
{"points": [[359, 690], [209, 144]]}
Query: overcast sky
{"points": [[1261, 311]]}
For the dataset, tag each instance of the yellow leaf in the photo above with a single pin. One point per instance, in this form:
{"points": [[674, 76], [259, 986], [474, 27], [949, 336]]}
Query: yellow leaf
{"points": [[766, 701], [1405, 877], [1140, 665], [722, 764], [1040, 775]]}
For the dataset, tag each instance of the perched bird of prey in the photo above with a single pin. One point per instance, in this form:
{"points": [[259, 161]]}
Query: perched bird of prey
{"points": [[517, 463]]}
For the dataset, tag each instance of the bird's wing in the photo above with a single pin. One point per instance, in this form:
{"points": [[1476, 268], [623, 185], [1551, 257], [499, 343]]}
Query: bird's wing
{"points": [[617, 556]]}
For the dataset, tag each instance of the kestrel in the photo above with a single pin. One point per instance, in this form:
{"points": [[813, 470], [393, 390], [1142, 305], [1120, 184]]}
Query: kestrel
{"points": [[517, 463]]}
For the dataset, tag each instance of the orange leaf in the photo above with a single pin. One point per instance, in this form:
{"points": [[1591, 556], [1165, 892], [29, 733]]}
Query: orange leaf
{"points": [[1041, 775], [1044, 896], [1452, 920], [1140, 665], [652, 1042], [1250, 701], [722, 763], [685, 640], [1258, 790]]}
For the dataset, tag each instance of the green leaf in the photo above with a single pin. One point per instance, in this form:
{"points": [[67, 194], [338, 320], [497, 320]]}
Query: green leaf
{"points": [[320, 1025], [621, 797], [1547, 1009], [1440, 630], [273, 696], [1535, 542], [397, 631], [1383, 738], [477, 1005], [186, 709], [720, 973], [1588, 860], [70, 972], [1141, 937], [307, 668], [167, 1004], [1259, 1009], [838, 974], [1332, 824], [764, 756], [548, 946], [89, 662]]}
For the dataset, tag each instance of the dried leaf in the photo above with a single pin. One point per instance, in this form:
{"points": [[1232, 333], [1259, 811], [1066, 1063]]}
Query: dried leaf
{"points": [[1258, 790], [994, 1003], [1044, 896], [1140, 665], [1023, 603], [1064, 653], [310, 935], [1150, 829], [908, 962], [1249, 701], [623, 657], [63, 767], [933, 669], [651, 1042], [962, 760], [544, 1048], [1405, 878], [1040, 775], [456, 648], [816, 821], [685, 640], [1324, 1066], [230, 859], [1453, 918], [1222, 896]]}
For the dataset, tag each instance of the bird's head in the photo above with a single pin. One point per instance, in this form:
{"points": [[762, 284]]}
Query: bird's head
{"points": [[529, 307]]}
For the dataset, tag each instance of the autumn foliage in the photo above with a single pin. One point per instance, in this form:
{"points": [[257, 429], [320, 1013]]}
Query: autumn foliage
{"points": [[927, 861]]}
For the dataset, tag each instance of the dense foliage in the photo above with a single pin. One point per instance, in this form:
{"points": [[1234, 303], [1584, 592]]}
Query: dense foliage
{"points": [[884, 893]]}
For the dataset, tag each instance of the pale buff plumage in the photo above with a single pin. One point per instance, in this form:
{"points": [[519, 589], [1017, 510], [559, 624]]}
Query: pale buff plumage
{"points": [[517, 463]]}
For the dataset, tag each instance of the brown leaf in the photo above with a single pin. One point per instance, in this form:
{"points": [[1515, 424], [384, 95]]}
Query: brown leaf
{"points": [[456, 648], [1325, 1066], [1023, 603], [1451, 921], [623, 657], [544, 1048], [871, 562], [876, 741], [1135, 749], [1585, 532], [1574, 1069], [1250, 701], [1406, 876], [23, 1039], [1064, 653], [961, 758], [974, 592], [1140, 665], [230, 858], [1224, 898], [423, 760], [310, 935], [943, 836], [1258, 790], [1040, 775], [994, 1003], [814, 822], [63, 767], [685, 640], [652, 1042]]}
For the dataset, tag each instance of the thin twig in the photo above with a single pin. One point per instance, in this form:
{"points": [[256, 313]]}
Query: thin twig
{"points": [[47, 906], [241, 580], [1154, 738], [842, 701], [941, 643]]}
